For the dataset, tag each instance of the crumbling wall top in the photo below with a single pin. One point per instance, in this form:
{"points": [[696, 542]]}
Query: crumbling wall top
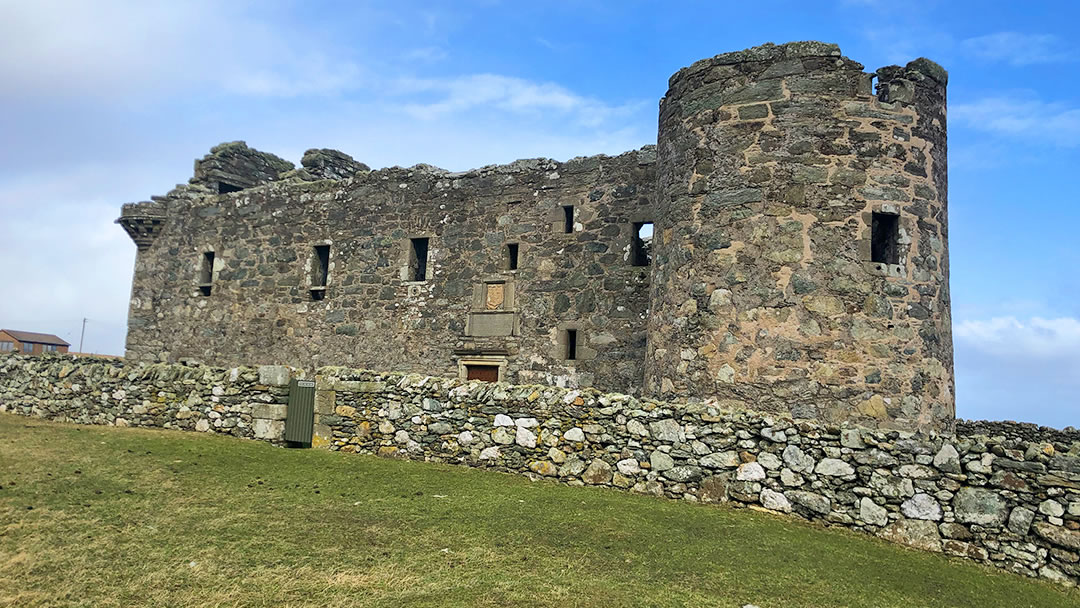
{"points": [[233, 166]]}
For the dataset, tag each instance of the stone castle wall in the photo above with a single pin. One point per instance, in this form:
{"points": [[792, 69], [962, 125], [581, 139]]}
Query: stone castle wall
{"points": [[372, 314], [1001, 500], [772, 169], [772, 164]]}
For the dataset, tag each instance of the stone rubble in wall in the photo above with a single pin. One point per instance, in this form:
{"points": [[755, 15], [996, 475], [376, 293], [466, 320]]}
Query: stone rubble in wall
{"points": [[1002, 501], [235, 401]]}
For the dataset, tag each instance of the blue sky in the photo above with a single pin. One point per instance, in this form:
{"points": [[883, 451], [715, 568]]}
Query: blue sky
{"points": [[109, 102]]}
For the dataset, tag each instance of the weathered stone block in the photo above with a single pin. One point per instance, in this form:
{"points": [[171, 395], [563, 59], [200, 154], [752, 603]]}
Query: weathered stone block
{"points": [[274, 375], [269, 411]]}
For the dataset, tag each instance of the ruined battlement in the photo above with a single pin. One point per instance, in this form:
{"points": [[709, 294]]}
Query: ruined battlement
{"points": [[799, 263]]}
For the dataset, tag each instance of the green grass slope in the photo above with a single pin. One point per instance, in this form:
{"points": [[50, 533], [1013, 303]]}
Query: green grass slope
{"points": [[96, 516]]}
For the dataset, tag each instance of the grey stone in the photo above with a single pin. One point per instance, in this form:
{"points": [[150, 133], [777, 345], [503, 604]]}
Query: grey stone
{"points": [[921, 506], [750, 471], [980, 506], [572, 468], [814, 502], [851, 438], [574, 434], [683, 473], [914, 533], [274, 375], [269, 411], [660, 461], [769, 460], [721, 460], [628, 466], [871, 513], [1020, 520], [797, 460], [502, 436], [947, 459], [833, 467], [775, 501], [525, 438], [1051, 508], [666, 430], [597, 473]]}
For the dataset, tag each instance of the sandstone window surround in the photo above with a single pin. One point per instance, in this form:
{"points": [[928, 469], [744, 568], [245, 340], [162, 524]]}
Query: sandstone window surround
{"points": [[206, 272], [886, 240], [319, 270], [571, 343], [417, 268], [510, 262]]}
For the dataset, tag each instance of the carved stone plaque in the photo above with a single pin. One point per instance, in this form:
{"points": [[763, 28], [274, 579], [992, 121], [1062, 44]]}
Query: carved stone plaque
{"points": [[493, 297]]}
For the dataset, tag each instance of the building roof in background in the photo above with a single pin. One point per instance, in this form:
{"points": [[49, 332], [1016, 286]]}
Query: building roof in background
{"points": [[34, 337]]}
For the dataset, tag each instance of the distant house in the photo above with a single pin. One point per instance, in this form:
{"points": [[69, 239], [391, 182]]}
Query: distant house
{"points": [[30, 343]]}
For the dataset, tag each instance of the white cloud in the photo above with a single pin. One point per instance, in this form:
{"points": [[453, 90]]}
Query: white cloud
{"points": [[1019, 369], [509, 94], [1021, 115], [1035, 338], [114, 50], [1018, 49]]}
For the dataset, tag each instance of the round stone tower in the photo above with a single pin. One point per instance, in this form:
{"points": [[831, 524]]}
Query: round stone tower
{"points": [[801, 259]]}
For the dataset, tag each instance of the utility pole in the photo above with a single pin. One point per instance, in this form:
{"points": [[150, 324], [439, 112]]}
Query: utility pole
{"points": [[83, 334]]}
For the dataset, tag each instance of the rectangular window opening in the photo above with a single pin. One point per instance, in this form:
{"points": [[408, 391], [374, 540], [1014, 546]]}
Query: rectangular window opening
{"points": [[27, 348], [225, 188], [7, 346], [885, 238], [206, 273], [485, 373], [511, 256], [641, 251], [568, 218], [320, 272], [571, 344], [418, 259]]}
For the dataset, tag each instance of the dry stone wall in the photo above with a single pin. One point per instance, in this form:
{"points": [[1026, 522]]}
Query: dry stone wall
{"points": [[1003, 500], [242, 401]]}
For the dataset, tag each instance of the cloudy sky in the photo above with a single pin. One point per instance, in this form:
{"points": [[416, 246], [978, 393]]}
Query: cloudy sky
{"points": [[107, 101]]}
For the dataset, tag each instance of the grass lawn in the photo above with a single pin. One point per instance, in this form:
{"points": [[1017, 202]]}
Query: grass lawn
{"points": [[98, 516]]}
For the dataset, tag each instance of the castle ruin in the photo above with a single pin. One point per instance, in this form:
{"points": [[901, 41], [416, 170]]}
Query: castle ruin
{"points": [[798, 263]]}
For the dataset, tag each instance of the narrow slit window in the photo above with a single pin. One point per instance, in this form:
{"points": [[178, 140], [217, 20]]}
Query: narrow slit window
{"points": [[884, 238], [321, 272], [206, 273], [511, 256], [418, 259], [571, 344], [225, 188], [641, 250], [568, 218]]}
